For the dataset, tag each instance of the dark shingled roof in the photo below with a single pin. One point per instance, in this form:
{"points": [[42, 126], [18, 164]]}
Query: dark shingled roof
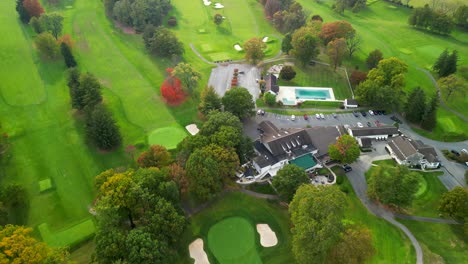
{"points": [[374, 131], [366, 142], [351, 102], [322, 137], [429, 152], [402, 147], [271, 83], [264, 158]]}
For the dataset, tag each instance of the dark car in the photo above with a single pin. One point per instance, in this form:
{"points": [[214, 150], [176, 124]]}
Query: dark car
{"points": [[377, 112], [306, 117], [347, 168], [355, 114], [363, 113], [456, 153], [369, 124], [334, 115]]}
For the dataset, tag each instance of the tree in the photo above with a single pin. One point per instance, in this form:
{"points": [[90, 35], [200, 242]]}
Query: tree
{"points": [[454, 203], [346, 149], [335, 30], [451, 66], [463, 71], [352, 44], [102, 129], [316, 216], [73, 82], [33, 8], [270, 99], [53, 23], [393, 185], [218, 19], [383, 87], [287, 73], [416, 105], [155, 156], [23, 13], [239, 102], [452, 84], [210, 101], [46, 45], [171, 89], [288, 179], [254, 48], [335, 51], [164, 43], [90, 90], [67, 55], [188, 76], [460, 16], [446, 63], [218, 119], [143, 248], [271, 7], [429, 119], [14, 203], [286, 45], [373, 59], [357, 77], [36, 25], [18, 246], [305, 45], [354, 247]]}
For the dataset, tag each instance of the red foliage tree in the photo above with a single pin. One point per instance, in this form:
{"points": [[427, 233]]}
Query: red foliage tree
{"points": [[33, 7], [171, 89], [357, 77], [335, 30]]}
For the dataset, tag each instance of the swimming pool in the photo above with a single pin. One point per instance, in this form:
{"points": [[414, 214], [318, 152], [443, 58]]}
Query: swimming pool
{"points": [[312, 94]]}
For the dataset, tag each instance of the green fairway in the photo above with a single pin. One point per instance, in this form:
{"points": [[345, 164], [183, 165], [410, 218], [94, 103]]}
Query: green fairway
{"points": [[448, 128], [70, 236], [168, 137], [385, 28], [441, 243], [246, 212], [426, 201], [232, 240], [21, 83]]}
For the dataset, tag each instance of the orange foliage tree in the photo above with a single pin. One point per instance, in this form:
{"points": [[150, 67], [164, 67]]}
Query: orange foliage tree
{"points": [[33, 7], [335, 30], [171, 89], [66, 39]]}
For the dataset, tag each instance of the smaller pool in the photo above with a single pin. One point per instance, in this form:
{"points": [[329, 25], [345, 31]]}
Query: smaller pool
{"points": [[312, 94]]}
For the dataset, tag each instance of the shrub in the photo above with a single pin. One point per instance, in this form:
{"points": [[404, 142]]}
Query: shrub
{"points": [[172, 21], [287, 73], [269, 98], [47, 45]]}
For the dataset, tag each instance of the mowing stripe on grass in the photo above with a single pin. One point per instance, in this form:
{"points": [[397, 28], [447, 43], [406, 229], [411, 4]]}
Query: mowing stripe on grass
{"points": [[68, 237]]}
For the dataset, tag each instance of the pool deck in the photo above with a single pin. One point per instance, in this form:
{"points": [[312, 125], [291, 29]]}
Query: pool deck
{"points": [[287, 94]]}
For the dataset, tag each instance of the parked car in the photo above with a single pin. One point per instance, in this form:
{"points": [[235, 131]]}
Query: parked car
{"points": [[456, 153], [355, 114], [369, 124], [359, 124], [377, 123], [464, 151], [293, 117], [317, 116], [322, 116], [363, 113], [347, 168], [249, 178], [334, 115], [260, 112], [306, 117], [371, 112]]}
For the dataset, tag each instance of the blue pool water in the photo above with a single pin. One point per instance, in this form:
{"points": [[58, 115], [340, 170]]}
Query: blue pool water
{"points": [[312, 94]]}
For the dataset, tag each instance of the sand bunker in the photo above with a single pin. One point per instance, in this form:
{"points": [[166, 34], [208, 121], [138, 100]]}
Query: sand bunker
{"points": [[267, 236], [237, 47], [265, 39], [218, 6], [197, 252], [206, 2], [192, 129]]}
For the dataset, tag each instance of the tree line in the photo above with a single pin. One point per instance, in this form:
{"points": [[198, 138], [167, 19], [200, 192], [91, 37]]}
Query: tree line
{"points": [[438, 20]]}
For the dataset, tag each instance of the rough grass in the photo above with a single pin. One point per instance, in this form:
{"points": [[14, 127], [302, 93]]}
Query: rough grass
{"points": [[449, 128], [448, 242], [253, 210]]}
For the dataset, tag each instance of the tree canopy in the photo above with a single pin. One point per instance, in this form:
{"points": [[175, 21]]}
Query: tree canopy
{"points": [[346, 149], [188, 76], [305, 44], [354, 247], [101, 128], [239, 102], [452, 84], [335, 30], [287, 73], [47, 45], [254, 50], [163, 42], [374, 58], [210, 101], [416, 105], [155, 156], [288, 179], [455, 203], [336, 50]]}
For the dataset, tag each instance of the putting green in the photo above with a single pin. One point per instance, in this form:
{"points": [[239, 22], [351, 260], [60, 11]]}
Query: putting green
{"points": [[232, 240], [168, 137]]}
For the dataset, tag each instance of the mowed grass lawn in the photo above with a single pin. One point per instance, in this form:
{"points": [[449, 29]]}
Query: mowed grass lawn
{"points": [[244, 19], [382, 26], [254, 211], [441, 243]]}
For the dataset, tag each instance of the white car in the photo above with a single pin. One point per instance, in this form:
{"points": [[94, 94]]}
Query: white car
{"points": [[371, 112], [322, 116], [293, 117], [317, 116], [359, 124]]}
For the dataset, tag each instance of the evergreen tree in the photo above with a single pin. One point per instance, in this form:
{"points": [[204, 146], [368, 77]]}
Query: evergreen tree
{"points": [[416, 105], [23, 14], [73, 83], [440, 65], [429, 119], [102, 129], [67, 55], [91, 90], [451, 65], [209, 101], [286, 45]]}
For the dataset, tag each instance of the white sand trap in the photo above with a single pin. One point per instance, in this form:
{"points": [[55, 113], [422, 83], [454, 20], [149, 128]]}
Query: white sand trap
{"points": [[267, 236], [206, 2], [192, 129], [265, 39], [237, 47], [218, 6], [197, 252]]}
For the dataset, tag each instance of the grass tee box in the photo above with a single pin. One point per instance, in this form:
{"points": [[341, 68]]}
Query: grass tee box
{"points": [[68, 237], [168, 137]]}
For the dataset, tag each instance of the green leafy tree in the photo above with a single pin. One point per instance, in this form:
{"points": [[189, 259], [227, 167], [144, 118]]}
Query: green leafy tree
{"points": [[415, 105], [254, 50], [446, 63], [316, 216], [353, 43], [53, 23], [202, 174], [155, 156], [286, 44], [239, 102], [226, 136], [393, 185], [14, 204], [452, 85], [383, 87], [210, 101], [346, 149], [36, 25], [143, 248], [288, 179], [165, 43], [354, 247], [373, 59], [429, 119], [455, 203], [46, 45], [460, 16], [217, 119], [336, 50], [188, 76], [287, 73], [102, 129], [270, 99], [218, 19], [70, 61], [305, 44]]}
